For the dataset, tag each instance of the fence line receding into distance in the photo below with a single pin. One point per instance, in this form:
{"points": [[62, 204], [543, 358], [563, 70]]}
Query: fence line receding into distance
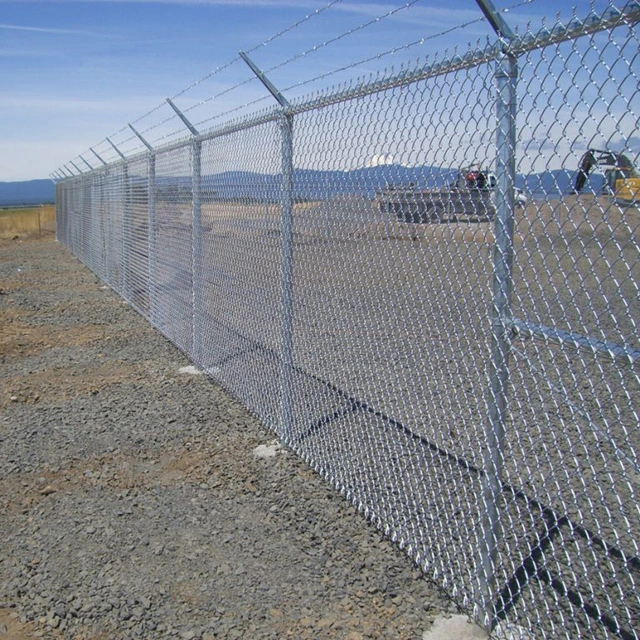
{"points": [[454, 347]]}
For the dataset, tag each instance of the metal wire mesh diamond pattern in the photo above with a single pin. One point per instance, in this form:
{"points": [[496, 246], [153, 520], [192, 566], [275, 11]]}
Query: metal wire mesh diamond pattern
{"points": [[399, 279]]}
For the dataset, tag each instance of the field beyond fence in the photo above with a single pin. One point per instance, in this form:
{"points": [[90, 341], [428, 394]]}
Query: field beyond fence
{"points": [[25, 222]]}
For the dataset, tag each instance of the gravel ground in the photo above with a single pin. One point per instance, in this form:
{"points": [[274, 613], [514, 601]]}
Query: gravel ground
{"points": [[132, 499]]}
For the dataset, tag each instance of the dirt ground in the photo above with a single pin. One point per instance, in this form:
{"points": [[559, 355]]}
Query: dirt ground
{"points": [[109, 418], [133, 503]]}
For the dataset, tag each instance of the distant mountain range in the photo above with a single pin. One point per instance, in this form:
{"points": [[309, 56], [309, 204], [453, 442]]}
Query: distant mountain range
{"points": [[28, 192], [308, 184], [317, 185]]}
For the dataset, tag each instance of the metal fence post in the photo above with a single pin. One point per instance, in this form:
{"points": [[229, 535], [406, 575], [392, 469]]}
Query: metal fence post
{"points": [[287, 246], [125, 263], [287, 271], [151, 221], [60, 207], [152, 235], [105, 225], [104, 257], [126, 233], [506, 79], [196, 235], [196, 252]]}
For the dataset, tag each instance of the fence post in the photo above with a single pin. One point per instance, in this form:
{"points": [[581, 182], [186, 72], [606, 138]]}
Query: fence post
{"points": [[286, 125], [287, 271], [59, 206], [107, 223], [196, 252], [151, 221], [125, 262], [152, 237], [196, 235], [126, 233], [102, 217], [506, 79]]}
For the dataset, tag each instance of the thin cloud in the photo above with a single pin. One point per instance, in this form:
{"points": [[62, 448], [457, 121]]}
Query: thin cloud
{"points": [[28, 53], [50, 103], [18, 27]]}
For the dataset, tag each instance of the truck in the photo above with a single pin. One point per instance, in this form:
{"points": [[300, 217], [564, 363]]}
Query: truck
{"points": [[470, 196]]}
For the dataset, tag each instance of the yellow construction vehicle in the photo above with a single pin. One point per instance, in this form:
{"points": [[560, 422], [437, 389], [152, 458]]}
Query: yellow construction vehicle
{"points": [[622, 179]]}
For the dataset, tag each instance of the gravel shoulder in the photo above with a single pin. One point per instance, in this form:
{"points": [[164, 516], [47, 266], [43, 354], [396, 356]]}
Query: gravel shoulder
{"points": [[132, 501]]}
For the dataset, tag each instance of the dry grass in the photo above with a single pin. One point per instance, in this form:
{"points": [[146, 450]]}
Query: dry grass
{"points": [[27, 222]]}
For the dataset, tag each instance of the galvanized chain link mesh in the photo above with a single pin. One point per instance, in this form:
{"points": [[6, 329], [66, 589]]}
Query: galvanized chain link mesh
{"points": [[487, 423]]}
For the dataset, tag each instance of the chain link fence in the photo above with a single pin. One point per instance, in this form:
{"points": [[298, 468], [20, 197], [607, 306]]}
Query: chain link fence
{"points": [[454, 347]]}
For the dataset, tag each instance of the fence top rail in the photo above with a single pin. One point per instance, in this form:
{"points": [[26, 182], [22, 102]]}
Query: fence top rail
{"points": [[521, 44]]}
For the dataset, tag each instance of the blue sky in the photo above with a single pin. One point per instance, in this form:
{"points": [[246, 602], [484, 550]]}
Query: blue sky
{"points": [[72, 72]]}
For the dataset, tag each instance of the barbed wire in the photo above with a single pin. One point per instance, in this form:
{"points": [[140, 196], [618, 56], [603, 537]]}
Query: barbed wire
{"points": [[395, 50], [217, 70], [252, 78], [228, 112], [226, 65], [298, 56], [349, 32], [323, 76], [302, 54], [258, 46]]}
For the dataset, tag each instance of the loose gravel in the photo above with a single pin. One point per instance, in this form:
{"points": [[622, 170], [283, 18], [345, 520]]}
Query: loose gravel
{"points": [[138, 500]]}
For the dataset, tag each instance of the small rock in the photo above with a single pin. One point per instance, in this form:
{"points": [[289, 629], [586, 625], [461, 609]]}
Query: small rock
{"points": [[190, 370], [53, 622], [60, 611], [455, 626], [267, 451]]}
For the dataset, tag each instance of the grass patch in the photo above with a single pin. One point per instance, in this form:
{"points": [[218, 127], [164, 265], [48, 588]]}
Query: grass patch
{"points": [[15, 211], [20, 222]]}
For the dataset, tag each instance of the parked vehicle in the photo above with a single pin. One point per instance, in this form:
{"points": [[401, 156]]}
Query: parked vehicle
{"points": [[470, 195], [622, 179]]}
